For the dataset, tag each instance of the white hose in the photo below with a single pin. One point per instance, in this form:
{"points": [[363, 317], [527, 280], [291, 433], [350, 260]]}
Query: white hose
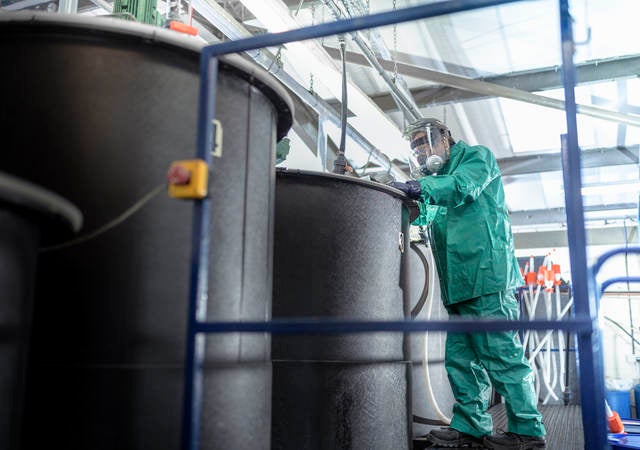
{"points": [[561, 348], [536, 354], [425, 357], [531, 303], [530, 337], [526, 298], [551, 375], [543, 342]]}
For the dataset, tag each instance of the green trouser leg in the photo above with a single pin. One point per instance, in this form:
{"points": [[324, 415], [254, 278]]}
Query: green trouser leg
{"points": [[472, 359], [470, 385]]}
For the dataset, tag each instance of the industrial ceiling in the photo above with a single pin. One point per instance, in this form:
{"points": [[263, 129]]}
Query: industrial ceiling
{"points": [[493, 75]]}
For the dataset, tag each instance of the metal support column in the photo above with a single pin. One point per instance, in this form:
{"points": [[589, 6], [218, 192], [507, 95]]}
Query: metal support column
{"points": [[589, 341], [199, 281]]}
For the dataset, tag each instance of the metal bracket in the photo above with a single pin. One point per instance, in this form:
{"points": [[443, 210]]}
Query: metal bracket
{"points": [[217, 139]]}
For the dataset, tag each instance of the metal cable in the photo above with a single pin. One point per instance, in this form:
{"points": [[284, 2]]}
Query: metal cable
{"points": [[109, 225]]}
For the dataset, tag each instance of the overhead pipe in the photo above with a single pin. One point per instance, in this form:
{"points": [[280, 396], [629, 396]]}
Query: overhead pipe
{"points": [[231, 28], [340, 164], [380, 48], [406, 103]]}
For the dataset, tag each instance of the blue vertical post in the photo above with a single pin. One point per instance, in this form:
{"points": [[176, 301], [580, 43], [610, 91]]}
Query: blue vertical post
{"points": [[199, 281], [589, 342]]}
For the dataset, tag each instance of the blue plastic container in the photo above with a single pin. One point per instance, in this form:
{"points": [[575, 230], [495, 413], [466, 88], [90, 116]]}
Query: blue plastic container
{"points": [[624, 441], [636, 393], [619, 401]]}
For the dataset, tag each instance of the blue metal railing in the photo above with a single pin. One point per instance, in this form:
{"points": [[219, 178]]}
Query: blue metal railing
{"points": [[589, 344], [584, 323], [600, 287]]}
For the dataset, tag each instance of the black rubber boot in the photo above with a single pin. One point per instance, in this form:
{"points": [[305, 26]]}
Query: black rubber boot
{"points": [[450, 438], [513, 441]]}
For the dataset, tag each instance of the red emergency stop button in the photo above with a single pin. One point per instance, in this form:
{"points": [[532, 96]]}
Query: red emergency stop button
{"points": [[188, 179]]}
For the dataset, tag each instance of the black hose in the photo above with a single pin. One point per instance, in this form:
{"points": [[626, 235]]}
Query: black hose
{"points": [[425, 290], [425, 421], [344, 110], [340, 163], [633, 339]]}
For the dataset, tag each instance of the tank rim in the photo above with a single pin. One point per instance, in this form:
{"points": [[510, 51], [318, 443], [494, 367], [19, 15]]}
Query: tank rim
{"points": [[104, 26], [310, 174]]}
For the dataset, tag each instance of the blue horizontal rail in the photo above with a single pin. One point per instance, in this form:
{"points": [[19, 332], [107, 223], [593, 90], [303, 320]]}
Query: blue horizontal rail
{"points": [[606, 283], [595, 269], [600, 287], [348, 25], [333, 326]]}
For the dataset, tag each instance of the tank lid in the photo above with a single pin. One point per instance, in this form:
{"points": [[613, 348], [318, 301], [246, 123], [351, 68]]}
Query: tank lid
{"points": [[310, 175], [246, 69]]}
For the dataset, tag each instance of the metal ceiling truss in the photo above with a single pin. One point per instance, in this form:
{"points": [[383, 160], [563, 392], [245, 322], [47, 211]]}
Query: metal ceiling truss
{"points": [[558, 238], [397, 87], [551, 162], [559, 215], [24, 4], [222, 20], [592, 158], [490, 89], [529, 80]]}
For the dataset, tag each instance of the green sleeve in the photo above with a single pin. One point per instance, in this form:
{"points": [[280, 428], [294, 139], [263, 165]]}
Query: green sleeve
{"points": [[467, 178]]}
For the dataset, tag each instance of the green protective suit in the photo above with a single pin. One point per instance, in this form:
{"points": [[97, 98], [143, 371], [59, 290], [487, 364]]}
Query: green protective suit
{"points": [[470, 235]]}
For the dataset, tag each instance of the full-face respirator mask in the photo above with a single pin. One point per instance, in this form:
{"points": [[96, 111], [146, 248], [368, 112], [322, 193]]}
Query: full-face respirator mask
{"points": [[429, 140]]}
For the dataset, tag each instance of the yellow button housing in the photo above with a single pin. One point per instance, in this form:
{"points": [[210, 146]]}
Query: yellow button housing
{"points": [[198, 182]]}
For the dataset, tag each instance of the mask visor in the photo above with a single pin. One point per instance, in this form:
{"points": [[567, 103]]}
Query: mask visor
{"points": [[424, 145]]}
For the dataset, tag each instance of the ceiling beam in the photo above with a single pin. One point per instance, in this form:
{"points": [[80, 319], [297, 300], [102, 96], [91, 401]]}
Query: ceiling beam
{"points": [[529, 81], [558, 238], [558, 215], [24, 4], [551, 162], [495, 90], [598, 157]]}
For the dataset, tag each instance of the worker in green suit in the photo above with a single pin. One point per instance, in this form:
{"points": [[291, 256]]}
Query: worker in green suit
{"points": [[461, 198]]}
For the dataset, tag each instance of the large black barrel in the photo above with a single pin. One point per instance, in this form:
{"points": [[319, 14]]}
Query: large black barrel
{"points": [[27, 212], [96, 110], [340, 253]]}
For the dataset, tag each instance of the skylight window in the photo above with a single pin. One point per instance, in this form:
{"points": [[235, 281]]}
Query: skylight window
{"points": [[541, 130]]}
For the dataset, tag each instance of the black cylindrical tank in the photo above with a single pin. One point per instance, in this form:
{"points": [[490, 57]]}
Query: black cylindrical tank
{"points": [[340, 253], [96, 110], [26, 213], [18, 250]]}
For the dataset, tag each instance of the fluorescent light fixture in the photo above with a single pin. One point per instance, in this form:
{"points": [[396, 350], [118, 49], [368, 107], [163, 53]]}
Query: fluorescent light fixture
{"points": [[619, 187]]}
